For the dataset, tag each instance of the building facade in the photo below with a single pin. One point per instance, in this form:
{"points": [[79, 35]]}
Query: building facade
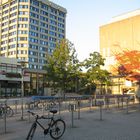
{"points": [[29, 30], [121, 33], [11, 77]]}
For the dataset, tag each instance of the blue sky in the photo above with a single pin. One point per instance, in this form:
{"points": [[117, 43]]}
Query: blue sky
{"points": [[84, 17]]}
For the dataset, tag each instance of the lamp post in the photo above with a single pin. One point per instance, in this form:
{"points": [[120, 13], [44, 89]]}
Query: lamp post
{"points": [[23, 63]]}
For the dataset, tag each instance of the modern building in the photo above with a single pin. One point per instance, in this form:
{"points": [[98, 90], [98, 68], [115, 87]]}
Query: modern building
{"points": [[121, 33], [29, 30], [11, 77]]}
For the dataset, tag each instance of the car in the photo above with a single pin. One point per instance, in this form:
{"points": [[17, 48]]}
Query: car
{"points": [[131, 94]]}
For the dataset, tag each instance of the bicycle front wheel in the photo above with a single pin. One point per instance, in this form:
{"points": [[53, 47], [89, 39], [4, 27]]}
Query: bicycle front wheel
{"points": [[57, 129], [9, 111], [31, 132]]}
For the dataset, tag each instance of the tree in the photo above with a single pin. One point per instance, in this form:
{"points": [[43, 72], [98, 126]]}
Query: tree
{"points": [[62, 66], [128, 64], [95, 74]]}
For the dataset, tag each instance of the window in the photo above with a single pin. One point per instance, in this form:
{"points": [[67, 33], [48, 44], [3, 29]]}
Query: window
{"points": [[34, 21], [4, 30], [53, 22], [34, 15], [34, 27], [43, 30], [22, 38], [4, 6], [44, 13], [3, 48], [34, 9], [5, 12], [13, 8], [33, 40], [44, 18], [4, 36], [23, 0], [12, 33], [13, 2], [22, 19], [12, 27], [23, 6], [13, 14], [12, 46], [61, 19], [33, 46], [53, 17], [22, 32], [52, 33], [13, 20], [43, 24], [54, 11], [22, 25], [23, 13], [43, 36], [12, 39], [61, 25], [34, 2], [61, 14], [52, 27], [44, 6], [43, 42], [33, 33], [5, 23], [22, 45]]}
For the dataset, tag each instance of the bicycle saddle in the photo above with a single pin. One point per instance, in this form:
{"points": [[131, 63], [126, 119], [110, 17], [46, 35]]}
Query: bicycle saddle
{"points": [[53, 111]]}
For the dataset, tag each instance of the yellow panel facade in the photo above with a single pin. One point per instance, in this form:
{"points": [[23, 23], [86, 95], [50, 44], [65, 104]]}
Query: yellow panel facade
{"points": [[123, 34]]}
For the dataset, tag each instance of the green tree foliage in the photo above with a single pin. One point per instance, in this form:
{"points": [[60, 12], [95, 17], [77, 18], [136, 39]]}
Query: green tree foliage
{"points": [[96, 75], [62, 66]]}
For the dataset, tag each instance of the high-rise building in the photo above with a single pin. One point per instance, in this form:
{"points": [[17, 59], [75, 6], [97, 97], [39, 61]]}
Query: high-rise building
{"points": [[30, 29]]}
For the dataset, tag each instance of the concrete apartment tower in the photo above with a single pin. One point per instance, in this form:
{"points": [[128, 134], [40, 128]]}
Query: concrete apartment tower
{"points": [[30, 29]]}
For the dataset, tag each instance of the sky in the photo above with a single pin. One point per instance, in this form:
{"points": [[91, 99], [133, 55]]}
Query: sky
{"points": [[84, 17]]}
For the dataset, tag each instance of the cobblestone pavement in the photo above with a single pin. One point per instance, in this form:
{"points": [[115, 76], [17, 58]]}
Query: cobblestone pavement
{"points": [[116, 124]]}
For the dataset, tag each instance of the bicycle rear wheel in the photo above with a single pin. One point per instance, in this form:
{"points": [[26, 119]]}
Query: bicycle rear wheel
{"points": [[31, 132], [57, 129], [9, 111]]}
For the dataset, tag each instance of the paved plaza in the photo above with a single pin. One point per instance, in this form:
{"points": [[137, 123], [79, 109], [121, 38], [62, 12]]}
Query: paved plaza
{"points": [[116, 124]]}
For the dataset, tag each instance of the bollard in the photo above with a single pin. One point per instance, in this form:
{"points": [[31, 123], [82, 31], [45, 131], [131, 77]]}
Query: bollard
{"points": [[91, 104], [59, 107], [100, 112], [127, 101], [100, 104], [118, 99], [16, 102], [107, 102], [72, 109], [78, 105], [122, 102], [29, 117], [43, 107], [5, 119]]}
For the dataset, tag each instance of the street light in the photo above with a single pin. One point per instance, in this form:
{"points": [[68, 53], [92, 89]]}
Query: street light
{"points": [[23, 64]]}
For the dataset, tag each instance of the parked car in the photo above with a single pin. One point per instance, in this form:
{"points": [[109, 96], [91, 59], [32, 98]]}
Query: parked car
{"points": [[132, 94]]}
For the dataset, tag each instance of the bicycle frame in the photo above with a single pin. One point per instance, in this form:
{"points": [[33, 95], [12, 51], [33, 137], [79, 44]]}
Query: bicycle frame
{"points": [[49, 124]]}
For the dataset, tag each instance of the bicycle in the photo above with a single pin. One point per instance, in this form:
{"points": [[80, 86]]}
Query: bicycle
{"points": [[56, 128], [6, 109]]}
